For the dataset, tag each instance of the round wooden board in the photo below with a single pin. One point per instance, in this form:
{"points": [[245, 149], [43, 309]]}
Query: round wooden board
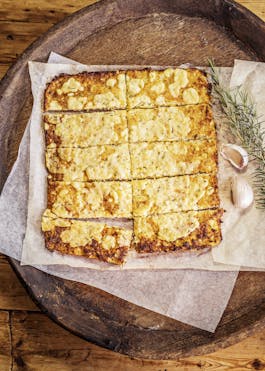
{"points": [[159, 32]]}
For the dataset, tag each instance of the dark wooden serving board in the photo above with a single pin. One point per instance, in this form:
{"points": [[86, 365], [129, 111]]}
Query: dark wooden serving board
{"points": [[162, 32]]}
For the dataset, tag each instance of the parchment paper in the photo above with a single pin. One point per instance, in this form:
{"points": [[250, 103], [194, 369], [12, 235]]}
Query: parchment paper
{"points": [[197, 298], [34, 251], [245, 244]]}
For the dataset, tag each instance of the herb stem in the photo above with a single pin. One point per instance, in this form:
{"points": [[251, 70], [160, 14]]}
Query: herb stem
{"points": [[245, 124]]}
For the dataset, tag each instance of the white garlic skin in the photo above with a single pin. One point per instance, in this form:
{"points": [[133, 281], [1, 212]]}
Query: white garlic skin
{"points": [[242, 193], [236, 155]]}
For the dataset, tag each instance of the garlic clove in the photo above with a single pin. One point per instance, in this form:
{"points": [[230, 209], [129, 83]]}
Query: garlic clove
{"points": [[242, 193], [236, 155]]}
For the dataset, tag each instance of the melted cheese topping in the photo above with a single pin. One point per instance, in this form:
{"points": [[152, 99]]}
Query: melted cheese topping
{"points": [[90, 200], [158, 196], [177, 231], [191, 96], [84, 130], [94, 146], [86, 91], [169, 87], [167, 227], [79, 233], [171, 123], [93, 163], [172, 158]]}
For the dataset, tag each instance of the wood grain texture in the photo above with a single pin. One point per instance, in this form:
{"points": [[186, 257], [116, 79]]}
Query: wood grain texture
{"points": [[13, 296], [23, 22], [124, 327], [18, 33], [60, 350], [248, 354], [112, 32], [31, 350], [256, 6], [5, 341], [44, 11], [3, 69]]}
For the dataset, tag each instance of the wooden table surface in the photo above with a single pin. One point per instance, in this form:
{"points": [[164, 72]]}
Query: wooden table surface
{"points": [[28, 339]]}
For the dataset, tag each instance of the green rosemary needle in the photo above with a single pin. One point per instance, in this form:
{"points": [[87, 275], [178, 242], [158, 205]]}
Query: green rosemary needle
{"points": [[245, 124]]}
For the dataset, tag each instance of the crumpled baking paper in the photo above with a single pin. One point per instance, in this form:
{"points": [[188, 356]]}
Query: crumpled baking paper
{"points": [[245, 245], [197, 298], [34, 251]]}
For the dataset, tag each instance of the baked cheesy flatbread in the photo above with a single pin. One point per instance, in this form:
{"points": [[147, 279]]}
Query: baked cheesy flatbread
{"points": [[139, 145], [84, 130], [156, 159], [170, 87], [171, 123], [93, 163], [164, 195], [85, 238], [192, 230], [86, 91], [90, 200]]}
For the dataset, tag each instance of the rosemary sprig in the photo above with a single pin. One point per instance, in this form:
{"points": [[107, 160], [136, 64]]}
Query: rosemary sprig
{"points": [[245, 124]]}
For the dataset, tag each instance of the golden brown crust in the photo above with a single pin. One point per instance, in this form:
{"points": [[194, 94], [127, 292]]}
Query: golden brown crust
{"points": [[86, 91], [170, 87], [206, 235], [171, 123], [173, 135], [84, 130], [157, 159], [145, 89], [90, 200], [87, 239]]}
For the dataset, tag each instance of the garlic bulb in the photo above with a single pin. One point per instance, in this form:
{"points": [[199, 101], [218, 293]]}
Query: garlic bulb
{"points": [[235, 154], [242, 193]]}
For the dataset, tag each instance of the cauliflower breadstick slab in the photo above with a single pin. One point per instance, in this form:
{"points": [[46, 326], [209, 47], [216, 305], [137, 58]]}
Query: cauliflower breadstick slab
{"points": [[171, 123], [85, 238], [157, 159], [90, 199], [106, 162], [192, 230], [135, 144], [85, 129], [181, 193], [170, 87], [86, 92]]}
